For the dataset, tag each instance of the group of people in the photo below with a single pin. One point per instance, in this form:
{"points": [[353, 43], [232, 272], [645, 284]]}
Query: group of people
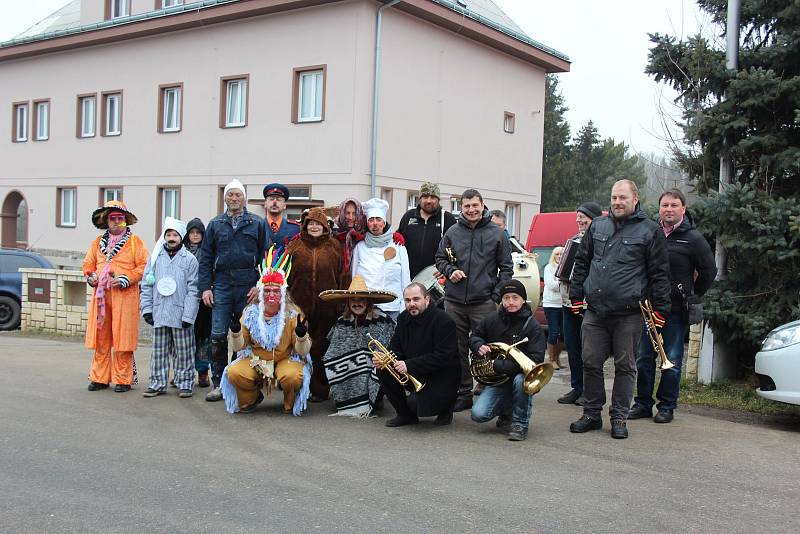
{"points": [[325, 307]]}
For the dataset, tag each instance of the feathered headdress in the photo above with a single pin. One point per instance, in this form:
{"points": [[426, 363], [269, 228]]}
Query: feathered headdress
{"points": [[275, 268]]}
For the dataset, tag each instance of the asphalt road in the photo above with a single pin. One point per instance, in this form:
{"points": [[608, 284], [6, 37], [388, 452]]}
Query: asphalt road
{"points": [[77, 461]]}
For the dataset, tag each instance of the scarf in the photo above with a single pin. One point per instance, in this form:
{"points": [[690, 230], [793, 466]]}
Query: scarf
{"points": [[379, 241], [110, 245]]}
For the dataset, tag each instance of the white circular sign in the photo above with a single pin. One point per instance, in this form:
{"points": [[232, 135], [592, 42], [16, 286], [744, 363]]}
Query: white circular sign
{"points": [[167, 286]]}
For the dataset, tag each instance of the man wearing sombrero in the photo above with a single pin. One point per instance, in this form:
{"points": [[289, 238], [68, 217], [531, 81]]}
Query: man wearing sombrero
{"points": [[348, 362], [114, 266]]}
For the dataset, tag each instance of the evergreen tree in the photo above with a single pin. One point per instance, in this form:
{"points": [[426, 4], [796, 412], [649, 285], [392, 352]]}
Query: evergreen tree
{"points": [[556, 164]]}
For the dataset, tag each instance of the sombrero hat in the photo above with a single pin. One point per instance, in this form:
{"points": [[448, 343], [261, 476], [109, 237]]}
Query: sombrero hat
{"points": [[358, 289], [100, 215]]}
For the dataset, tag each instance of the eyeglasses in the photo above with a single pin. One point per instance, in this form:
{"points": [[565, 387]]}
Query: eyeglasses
{"points": [[116, 218]]}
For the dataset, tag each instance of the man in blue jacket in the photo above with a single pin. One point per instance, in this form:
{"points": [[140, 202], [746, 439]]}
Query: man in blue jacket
{"points": [[233, 247]]}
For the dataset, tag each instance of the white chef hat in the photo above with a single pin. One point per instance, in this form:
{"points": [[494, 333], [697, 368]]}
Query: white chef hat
{"points": [[375, 207], [171, 223], [235, 184]]}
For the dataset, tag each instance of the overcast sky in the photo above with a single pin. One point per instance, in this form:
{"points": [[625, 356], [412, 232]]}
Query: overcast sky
{"points": [[605, 41]]}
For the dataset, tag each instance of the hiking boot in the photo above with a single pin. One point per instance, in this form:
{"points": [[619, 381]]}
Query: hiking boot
{"points": [[214, 395], [122, 388], [463, 403], [150, 392], [517, 433], [402, 420], [503, 421], [252, 407], [443, 419], [663, 416], [585, 424], [96, 386], [202, 379], [569, 398], [618, 429], [640, 412], [185, 393]]}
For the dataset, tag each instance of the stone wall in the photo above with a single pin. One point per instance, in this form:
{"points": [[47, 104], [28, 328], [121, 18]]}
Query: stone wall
{"points": [[61, 310], [693, 354]]}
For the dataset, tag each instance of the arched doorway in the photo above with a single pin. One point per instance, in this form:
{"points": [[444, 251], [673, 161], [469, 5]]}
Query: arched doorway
{"points": [[14, 215]]}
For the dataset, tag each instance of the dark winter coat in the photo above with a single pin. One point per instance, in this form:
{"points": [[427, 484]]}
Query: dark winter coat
{"points": [[286, 232], [621, 262], [202, 324], [427, 343], [505, 327], [231, 257], [689, 252], [423, 237], [483, 253]]}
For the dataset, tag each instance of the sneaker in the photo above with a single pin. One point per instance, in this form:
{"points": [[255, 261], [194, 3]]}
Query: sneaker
{"points": [[585, 424], [185, 393], [569, 398], [517, 433], [202, 380], [214, 395], [402, 420], [443, 419], [618, 429], [150, 392], [96, 386], [503, 421], [663, 416], [463, 403], [640, 412], [122, 388]]}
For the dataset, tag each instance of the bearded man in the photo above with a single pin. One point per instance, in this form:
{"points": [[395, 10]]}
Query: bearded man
{"points": [[423, 228]]}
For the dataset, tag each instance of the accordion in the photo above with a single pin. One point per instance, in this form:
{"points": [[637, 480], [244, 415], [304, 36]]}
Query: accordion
{"points": [[567, 263]]}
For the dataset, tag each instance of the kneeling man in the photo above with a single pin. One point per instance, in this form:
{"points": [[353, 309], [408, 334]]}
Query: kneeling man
{"points": [[424, 343]]}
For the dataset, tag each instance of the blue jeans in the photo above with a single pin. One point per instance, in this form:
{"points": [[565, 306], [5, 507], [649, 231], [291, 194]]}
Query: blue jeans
{"points": [[505, 399], [674, 333], [555, 331], [229, 301], [572, 338]]}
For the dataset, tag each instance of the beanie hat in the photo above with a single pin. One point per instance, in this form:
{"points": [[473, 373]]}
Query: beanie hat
{"points": [[429, 189], [590, 209], [513, 286], [235, 184]]}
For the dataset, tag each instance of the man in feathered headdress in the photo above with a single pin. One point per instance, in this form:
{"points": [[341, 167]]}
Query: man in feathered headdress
{"points": [[273, 346]]}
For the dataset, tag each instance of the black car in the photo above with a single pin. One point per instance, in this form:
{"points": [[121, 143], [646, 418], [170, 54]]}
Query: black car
{"points": [[11, 260]]}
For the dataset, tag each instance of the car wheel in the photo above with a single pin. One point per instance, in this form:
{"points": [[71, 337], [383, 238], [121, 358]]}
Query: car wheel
{"points": [[9, 313]]}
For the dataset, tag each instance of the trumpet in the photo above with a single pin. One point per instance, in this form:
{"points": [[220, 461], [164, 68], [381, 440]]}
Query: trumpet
{"points": [[387, 360], [655, 337]]}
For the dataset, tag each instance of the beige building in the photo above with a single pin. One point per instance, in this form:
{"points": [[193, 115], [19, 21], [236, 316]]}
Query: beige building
{"points": [[161, 102]]}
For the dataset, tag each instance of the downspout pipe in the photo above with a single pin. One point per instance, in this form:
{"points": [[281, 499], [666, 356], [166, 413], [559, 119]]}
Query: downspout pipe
{"points": [[375, 97]]}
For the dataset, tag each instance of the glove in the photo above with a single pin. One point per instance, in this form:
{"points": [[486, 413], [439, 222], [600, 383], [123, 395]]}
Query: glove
{"points": [[399, 239], [148, 318], [577, 307], [301, 329], [659, 320], [184, 324]]}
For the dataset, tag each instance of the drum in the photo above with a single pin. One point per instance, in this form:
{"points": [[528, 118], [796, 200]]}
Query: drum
{"points": [[527, 271], [429, 277]]}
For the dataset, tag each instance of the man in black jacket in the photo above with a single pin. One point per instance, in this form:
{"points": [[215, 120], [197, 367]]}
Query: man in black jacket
{"points": [[474, 256], [512, 322], [689, 252], [232, 248], [622, 260], [424, 343], [423, 228]]}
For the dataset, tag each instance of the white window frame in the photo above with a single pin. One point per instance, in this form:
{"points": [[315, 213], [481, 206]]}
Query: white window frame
{"points": [[119, 9], [512, 212], [171, 122], [314, 80], [42, 112], [171, 208], [509, 122], [88, 116], [115, 117], [455, 205], [170, 3], [117, 194], [413, 200], [236, 115], [21, 122], [68, 207]]}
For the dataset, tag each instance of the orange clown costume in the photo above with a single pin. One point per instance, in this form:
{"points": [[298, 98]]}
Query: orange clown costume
{"points": [[271, 348], [114, 265]]}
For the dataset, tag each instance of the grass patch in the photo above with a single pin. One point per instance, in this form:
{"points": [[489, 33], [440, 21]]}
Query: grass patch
{"points": [[733, 396]]}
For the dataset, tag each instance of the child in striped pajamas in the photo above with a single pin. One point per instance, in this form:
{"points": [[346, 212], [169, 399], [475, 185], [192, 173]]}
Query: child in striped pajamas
{"points": [[169, 304]]}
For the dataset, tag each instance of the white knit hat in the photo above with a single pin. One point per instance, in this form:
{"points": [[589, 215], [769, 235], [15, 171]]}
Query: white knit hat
{"points": [[375, 207], [235, 184], [171, 223]]}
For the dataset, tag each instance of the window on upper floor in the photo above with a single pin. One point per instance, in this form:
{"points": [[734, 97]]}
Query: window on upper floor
{"points": [[160, 4], [117, 8], [87, 115], [19, 130], [170, 108], [308, 94], [112, 113], [66, 206], [512, 216], [107, 194], [233, 98], [41, 120], [508, 122]]}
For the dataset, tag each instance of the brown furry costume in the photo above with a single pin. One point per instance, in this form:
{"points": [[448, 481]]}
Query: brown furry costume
{"points": [[316, 267]]}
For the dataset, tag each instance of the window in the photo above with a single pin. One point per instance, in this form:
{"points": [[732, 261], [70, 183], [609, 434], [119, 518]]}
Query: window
{"points": [[66, 204], [455, 205], [299, 192], [169, 200], [508, 122], [233, 98], [20, 126], [87, 116], [308, 94], [412, 201], [108, 194], [117, 8], [512, 212], [167, 3], [386, 194], [170, 108], [41, 120], [112, 113]]}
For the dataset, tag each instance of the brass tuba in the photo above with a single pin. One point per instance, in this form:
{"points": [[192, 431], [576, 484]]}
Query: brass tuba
{"points": [[387, 360], [536, 376], [655, 337]]}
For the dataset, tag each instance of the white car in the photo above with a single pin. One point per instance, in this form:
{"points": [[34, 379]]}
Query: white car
{"points": [[778, 364]]}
